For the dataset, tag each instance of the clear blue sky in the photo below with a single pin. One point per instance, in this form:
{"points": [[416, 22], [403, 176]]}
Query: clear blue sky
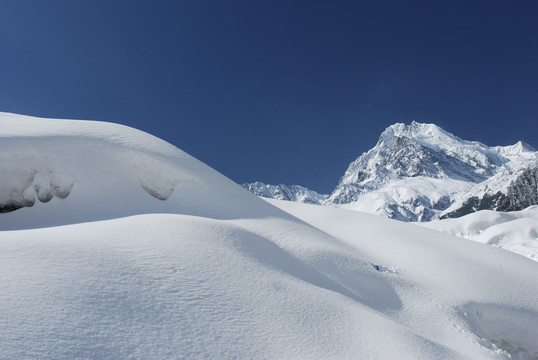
{"points": [[278, 91]]}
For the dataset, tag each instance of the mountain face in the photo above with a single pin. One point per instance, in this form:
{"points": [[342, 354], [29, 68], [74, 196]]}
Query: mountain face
{"points": [[420, 172], [520, 194]]}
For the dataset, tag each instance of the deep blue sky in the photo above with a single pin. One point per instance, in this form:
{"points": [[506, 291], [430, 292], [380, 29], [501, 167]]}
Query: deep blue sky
{"points": [[278, 91]]}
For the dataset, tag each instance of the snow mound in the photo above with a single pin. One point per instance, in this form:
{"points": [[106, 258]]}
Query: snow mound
{"points": [[42, 158], [90, 170], [25, 178]]}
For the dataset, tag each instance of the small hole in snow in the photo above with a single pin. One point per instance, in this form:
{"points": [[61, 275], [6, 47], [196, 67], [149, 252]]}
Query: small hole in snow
{"points": [[385, 269]]}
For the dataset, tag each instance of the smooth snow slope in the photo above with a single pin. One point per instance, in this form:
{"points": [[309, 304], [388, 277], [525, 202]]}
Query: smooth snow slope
{"points": [[215, 272], [446, 284]]}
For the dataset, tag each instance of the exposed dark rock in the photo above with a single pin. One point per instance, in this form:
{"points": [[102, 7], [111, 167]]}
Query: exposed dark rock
{"points": [[522, 193], [9, 208]]}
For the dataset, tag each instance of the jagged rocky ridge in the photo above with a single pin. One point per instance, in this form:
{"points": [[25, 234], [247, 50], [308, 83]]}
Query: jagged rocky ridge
{"points": [[521, 193], [420, 172], [286, 192]]}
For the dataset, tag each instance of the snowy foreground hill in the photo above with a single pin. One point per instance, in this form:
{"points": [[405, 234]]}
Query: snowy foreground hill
{"points": [[115, 244]]}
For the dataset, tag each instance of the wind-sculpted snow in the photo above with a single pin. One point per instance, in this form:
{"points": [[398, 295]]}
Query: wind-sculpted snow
{"points": [[26, 177], [201, 268], [105, 177]]}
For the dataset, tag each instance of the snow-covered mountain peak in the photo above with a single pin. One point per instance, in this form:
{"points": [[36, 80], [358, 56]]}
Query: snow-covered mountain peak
{"points": [[439, 170], [409, 156], [518, 149], [415, 150], [430, 134]]}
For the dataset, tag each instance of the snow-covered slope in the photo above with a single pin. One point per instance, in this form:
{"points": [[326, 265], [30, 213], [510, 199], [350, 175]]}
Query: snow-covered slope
{"points": [[420, 172], [430, 284], [93, 170], [148, 253], [515, 231]]}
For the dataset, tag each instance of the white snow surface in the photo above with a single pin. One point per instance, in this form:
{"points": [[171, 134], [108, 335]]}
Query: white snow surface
{"points": [[515, 231], [145, 252]]}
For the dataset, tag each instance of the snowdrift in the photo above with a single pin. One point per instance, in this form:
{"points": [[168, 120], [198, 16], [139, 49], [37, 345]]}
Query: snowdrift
{"points": [[123, 246]]}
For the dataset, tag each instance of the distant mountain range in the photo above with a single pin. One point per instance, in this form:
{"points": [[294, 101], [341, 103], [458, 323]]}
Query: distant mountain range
{"points": [[420, 172], [286, 192]]}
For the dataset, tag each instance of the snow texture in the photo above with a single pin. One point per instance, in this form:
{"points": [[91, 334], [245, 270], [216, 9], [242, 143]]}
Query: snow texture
{"points": [[152, 254]]}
